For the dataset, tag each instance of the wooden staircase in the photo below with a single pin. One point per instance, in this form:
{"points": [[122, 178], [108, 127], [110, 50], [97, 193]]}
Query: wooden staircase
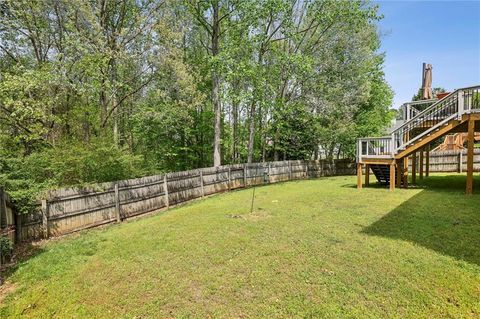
{"points": [[458, 112], [382, 173]]}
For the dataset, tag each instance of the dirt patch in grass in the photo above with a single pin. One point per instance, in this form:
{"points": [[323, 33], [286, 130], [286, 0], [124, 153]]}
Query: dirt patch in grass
{"points": [[6, 289], [257, 215]]}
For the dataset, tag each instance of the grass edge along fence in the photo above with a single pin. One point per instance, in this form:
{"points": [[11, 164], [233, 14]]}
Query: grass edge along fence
{"points": [[72, 209]]}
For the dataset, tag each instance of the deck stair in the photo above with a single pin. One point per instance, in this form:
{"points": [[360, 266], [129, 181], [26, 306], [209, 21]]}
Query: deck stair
{"points": [[382, 173], [437, 120], [448, 115]]}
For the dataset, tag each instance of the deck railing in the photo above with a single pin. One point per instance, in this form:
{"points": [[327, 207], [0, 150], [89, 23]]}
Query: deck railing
{"points": [[454, 105], [378, 147]]}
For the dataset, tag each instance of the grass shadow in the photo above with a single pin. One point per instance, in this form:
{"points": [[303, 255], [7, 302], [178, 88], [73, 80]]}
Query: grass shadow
{"points": [[440, 217], [21, 253]]}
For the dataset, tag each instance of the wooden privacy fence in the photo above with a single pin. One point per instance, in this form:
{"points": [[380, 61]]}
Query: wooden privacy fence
{"points": [[7, 216], [71, 209], [452, 161]]}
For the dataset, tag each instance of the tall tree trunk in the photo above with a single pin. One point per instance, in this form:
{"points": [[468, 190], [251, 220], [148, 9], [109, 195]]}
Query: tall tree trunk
{"points": [[217, 161], [235, 131], [264, 147], [251, 135]]}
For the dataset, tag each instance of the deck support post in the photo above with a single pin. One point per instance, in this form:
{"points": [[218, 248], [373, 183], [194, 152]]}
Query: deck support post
{"points": [[359, 175], [470, 142], [422, 151], [399, 173], [414, 168], [392, 176], [405, 172], [367, 175]]}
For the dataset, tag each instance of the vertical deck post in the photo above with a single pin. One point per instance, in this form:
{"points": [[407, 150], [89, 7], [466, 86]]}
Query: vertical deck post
{"points": [[359, 175], [421, 163], [427, 161], [399, 173], [414, 168], [405, 172], [470, 142], [367, 175], [392, 176]]}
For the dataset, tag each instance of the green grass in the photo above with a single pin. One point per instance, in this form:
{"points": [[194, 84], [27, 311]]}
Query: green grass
{"points": [[316, 248]]}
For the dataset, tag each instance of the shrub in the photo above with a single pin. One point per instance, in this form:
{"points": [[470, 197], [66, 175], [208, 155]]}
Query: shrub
{"points": [[67, 164]]}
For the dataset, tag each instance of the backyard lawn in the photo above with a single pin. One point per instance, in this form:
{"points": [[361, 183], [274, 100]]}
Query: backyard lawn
{"points": [[315, 248]]}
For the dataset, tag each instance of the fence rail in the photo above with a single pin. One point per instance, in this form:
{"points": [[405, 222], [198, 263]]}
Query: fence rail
{"points": [[452, 161], [71, 209]]}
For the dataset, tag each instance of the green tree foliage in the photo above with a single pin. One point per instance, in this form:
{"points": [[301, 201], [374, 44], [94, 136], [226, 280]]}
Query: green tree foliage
{"points": [[101, 90], [435, 91]]}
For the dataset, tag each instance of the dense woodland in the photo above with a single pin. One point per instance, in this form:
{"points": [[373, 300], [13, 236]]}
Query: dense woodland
{"points": [[101, 90]]}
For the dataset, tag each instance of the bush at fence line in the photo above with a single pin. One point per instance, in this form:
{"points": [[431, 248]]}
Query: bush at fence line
{"points": [[6, 247], [26, 177]]}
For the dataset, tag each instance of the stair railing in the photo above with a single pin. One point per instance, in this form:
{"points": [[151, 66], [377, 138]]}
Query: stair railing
{"points": [[437, 113], [454, 105]]}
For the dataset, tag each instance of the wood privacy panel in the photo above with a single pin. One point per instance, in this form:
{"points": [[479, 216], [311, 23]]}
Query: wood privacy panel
{"points": [[451, 161], [70, 209]]}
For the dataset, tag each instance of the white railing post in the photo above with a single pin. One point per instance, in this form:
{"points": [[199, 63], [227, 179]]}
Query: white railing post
{"points": [[393, 146], [460, 104], [359, 150]]}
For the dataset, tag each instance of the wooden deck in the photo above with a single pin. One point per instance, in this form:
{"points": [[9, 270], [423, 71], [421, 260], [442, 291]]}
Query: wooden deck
{"points": [[416, 142]]}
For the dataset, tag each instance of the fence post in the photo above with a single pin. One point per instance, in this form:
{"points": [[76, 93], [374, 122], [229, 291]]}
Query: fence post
{"points": [[201, 183], [245, 175], [3, 212], [289, 170], [229, 177], [117, 204], [18, 227], [269, 167], [165, 189], [45, 212], [3, 208], [460, 161]]}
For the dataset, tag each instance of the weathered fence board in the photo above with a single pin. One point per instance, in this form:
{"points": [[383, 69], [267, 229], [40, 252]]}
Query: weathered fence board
{"points": [[70, 209], [451, 161], [7, 216]]}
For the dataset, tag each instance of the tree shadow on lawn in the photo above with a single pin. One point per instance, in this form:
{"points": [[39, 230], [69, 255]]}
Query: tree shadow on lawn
{"points": [[21, 253], [441, 217]]}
